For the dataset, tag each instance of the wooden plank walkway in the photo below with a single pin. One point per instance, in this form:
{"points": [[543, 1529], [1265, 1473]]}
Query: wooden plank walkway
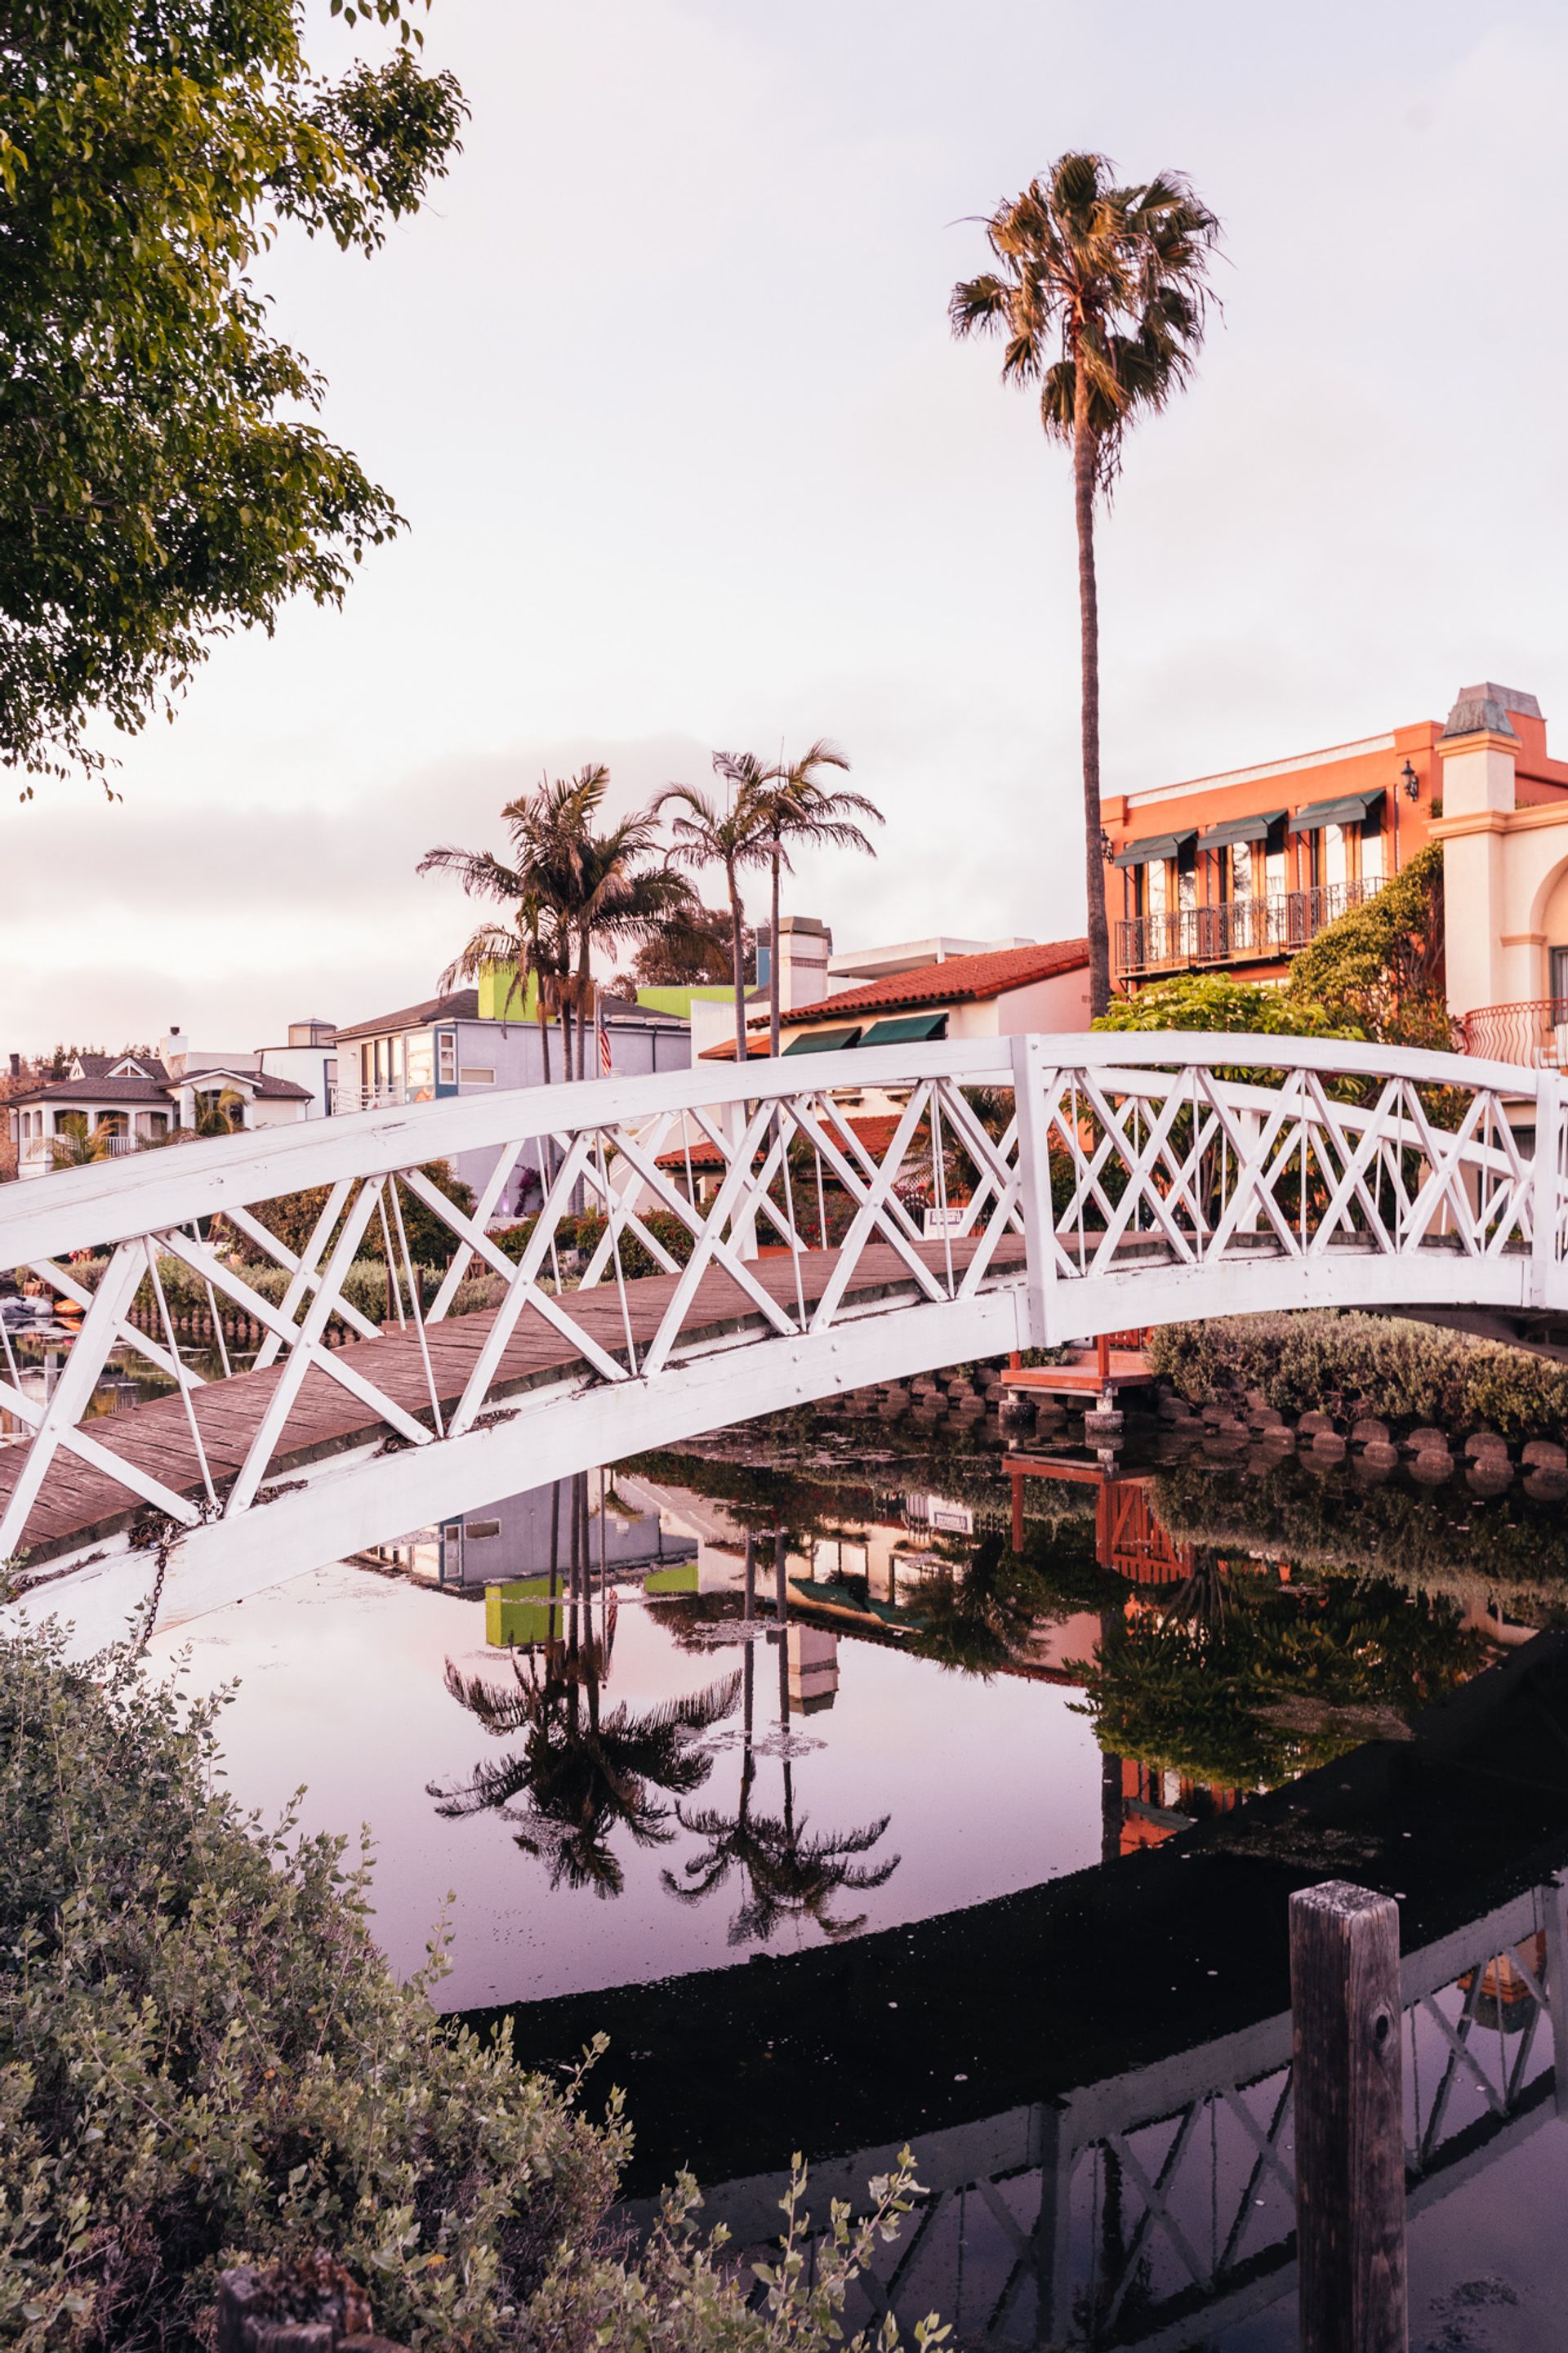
{"points": [[79, 1504]]}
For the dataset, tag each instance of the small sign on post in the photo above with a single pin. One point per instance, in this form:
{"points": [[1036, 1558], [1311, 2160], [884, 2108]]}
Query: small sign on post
{"points": [[1349, 2120]]}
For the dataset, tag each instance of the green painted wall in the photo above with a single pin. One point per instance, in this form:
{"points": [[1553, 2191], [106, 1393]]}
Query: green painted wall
{"points": [[678, 1000], [495, 980]]}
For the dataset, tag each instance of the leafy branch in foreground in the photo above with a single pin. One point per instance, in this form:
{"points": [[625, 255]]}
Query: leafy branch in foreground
{"points": [[206, 2062], [161, 483]]}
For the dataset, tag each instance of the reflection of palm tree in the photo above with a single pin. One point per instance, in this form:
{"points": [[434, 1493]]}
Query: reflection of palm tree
{"points": [[788, 1873], [584, 1773]]}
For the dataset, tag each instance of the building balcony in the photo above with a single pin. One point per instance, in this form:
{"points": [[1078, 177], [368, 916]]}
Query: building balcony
{"points": [[391, 1096], [1187, 938], [1534, 1031]]}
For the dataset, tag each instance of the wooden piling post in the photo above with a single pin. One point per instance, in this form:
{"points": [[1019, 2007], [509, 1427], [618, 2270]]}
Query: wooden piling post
{"points": [[1349, 2120]]}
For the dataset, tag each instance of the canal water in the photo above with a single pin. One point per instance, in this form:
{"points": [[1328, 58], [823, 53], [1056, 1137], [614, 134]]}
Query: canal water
{"points": [[869, 1780]]}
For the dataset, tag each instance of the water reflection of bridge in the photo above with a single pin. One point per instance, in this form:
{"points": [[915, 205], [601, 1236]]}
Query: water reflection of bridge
{"points": [[1095, 2073], [1125, 2211]]}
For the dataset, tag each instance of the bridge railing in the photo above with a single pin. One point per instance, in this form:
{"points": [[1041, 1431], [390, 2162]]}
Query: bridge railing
{"points": [[1099, 1179]]}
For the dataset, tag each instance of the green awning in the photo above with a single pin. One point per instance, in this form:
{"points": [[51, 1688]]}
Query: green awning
{"points": [[823, 1042], [1240, 828], [906, 1030], [1158, 845], [1353, 809]]}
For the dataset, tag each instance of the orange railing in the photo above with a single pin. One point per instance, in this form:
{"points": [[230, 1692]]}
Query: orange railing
{"points": [[1533, 1031]]}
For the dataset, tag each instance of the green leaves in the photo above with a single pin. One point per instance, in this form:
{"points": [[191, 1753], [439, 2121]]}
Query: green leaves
{"points": [[158, 484]]}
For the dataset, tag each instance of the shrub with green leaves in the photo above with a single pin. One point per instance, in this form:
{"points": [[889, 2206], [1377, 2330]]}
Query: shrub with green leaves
{"points": [[204, 2060], [1405, 1372]]}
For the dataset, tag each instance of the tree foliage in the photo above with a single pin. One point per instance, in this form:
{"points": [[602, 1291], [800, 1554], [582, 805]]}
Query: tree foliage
{"points": [[431, 1241], [691, 950], [1213, 1000], [161, 481], [204, 2058], [1381, 964], [1244, 1681]]}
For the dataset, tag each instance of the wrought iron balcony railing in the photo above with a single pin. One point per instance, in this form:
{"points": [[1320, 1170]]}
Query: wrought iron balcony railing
{"points": [[1273, 926], [1533, 1031]]}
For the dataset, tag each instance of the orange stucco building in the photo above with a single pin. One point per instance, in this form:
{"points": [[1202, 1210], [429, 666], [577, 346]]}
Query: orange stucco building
{"points": [[1237, 871]]}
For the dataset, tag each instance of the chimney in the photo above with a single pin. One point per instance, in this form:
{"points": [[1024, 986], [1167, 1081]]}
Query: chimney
{"points": [[16, 1066], [174, 1052], [805, 946]]}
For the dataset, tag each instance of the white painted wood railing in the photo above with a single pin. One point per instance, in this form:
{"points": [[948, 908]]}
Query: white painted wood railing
{"points": [[1102, 1181]]}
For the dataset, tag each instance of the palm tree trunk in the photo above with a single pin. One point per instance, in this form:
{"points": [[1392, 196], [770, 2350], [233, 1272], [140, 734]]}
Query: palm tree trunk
{"points": [[737, 966], [773, 958], [1085, 454]]}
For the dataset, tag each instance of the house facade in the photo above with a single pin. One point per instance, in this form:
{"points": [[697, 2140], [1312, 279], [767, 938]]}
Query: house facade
{"points": [[998, 992], [126, 1103], [1505, 878], [1240, 871], [447, 1046]]}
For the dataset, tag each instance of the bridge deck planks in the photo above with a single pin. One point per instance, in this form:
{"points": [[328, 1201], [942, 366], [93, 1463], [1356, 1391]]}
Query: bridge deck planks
{"points": [[78, 1503]]}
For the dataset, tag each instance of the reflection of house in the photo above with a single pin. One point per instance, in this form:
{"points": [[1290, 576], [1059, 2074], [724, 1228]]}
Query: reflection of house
{"points": [[130, 1101], [519, 1540], [1147, 1804]]}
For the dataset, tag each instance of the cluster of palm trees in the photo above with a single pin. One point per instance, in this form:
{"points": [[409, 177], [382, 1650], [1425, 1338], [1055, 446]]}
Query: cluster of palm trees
{"points": [[572, 885]]}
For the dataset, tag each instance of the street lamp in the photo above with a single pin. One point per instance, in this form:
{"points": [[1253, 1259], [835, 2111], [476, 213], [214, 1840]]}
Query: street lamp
{"points": [[1411, 782]]}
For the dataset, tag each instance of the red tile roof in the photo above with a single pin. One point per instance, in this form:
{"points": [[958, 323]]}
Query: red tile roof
{"points": [[962, 980]]}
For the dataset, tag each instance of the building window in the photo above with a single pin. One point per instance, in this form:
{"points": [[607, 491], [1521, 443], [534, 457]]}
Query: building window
{"points": [[1187, 875], [419, 1063], [474, 1074], [1560, 974], [1240, 870], [1372, 868], [446, 1048]]}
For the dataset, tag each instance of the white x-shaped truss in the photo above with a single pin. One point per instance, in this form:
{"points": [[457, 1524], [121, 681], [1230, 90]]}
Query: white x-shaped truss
{"points": [[738, 1206]]}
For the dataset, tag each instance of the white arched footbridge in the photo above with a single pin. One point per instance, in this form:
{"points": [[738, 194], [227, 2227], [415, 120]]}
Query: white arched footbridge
{"points": [[1009, 1193]]}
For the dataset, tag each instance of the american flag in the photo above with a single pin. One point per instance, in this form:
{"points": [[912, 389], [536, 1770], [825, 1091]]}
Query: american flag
{"points": [[605, 1065]]}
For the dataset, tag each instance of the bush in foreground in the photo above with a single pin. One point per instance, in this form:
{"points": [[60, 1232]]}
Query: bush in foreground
{"points": [[1405, 1372], [204, 2060]]}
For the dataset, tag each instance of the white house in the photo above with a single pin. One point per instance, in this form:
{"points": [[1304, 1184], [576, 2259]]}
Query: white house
{"points": [[130, 1101], [1002, 991]]}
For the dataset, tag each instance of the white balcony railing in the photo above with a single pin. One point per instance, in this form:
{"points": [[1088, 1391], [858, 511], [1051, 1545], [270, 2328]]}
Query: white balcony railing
{"points": [[389, 1097]]}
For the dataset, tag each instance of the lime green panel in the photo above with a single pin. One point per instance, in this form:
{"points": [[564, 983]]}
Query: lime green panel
{"points": [[501, 1000], [520, 1613], [678, 1001], [680, 1579]]}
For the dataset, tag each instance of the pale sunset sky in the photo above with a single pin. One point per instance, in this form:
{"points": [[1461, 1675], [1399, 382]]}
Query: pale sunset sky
{"points": [[663, 382]]}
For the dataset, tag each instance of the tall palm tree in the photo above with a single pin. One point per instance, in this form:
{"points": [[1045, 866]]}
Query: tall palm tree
{"points": [[731, 837], [804, 813], [1100, 293]]}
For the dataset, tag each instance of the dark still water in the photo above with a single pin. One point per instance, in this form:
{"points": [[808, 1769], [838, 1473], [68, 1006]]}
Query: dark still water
{"points": [[869, 1782]]}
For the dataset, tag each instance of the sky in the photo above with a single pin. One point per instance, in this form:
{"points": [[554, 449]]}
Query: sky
{"points": [[662, 381]]}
